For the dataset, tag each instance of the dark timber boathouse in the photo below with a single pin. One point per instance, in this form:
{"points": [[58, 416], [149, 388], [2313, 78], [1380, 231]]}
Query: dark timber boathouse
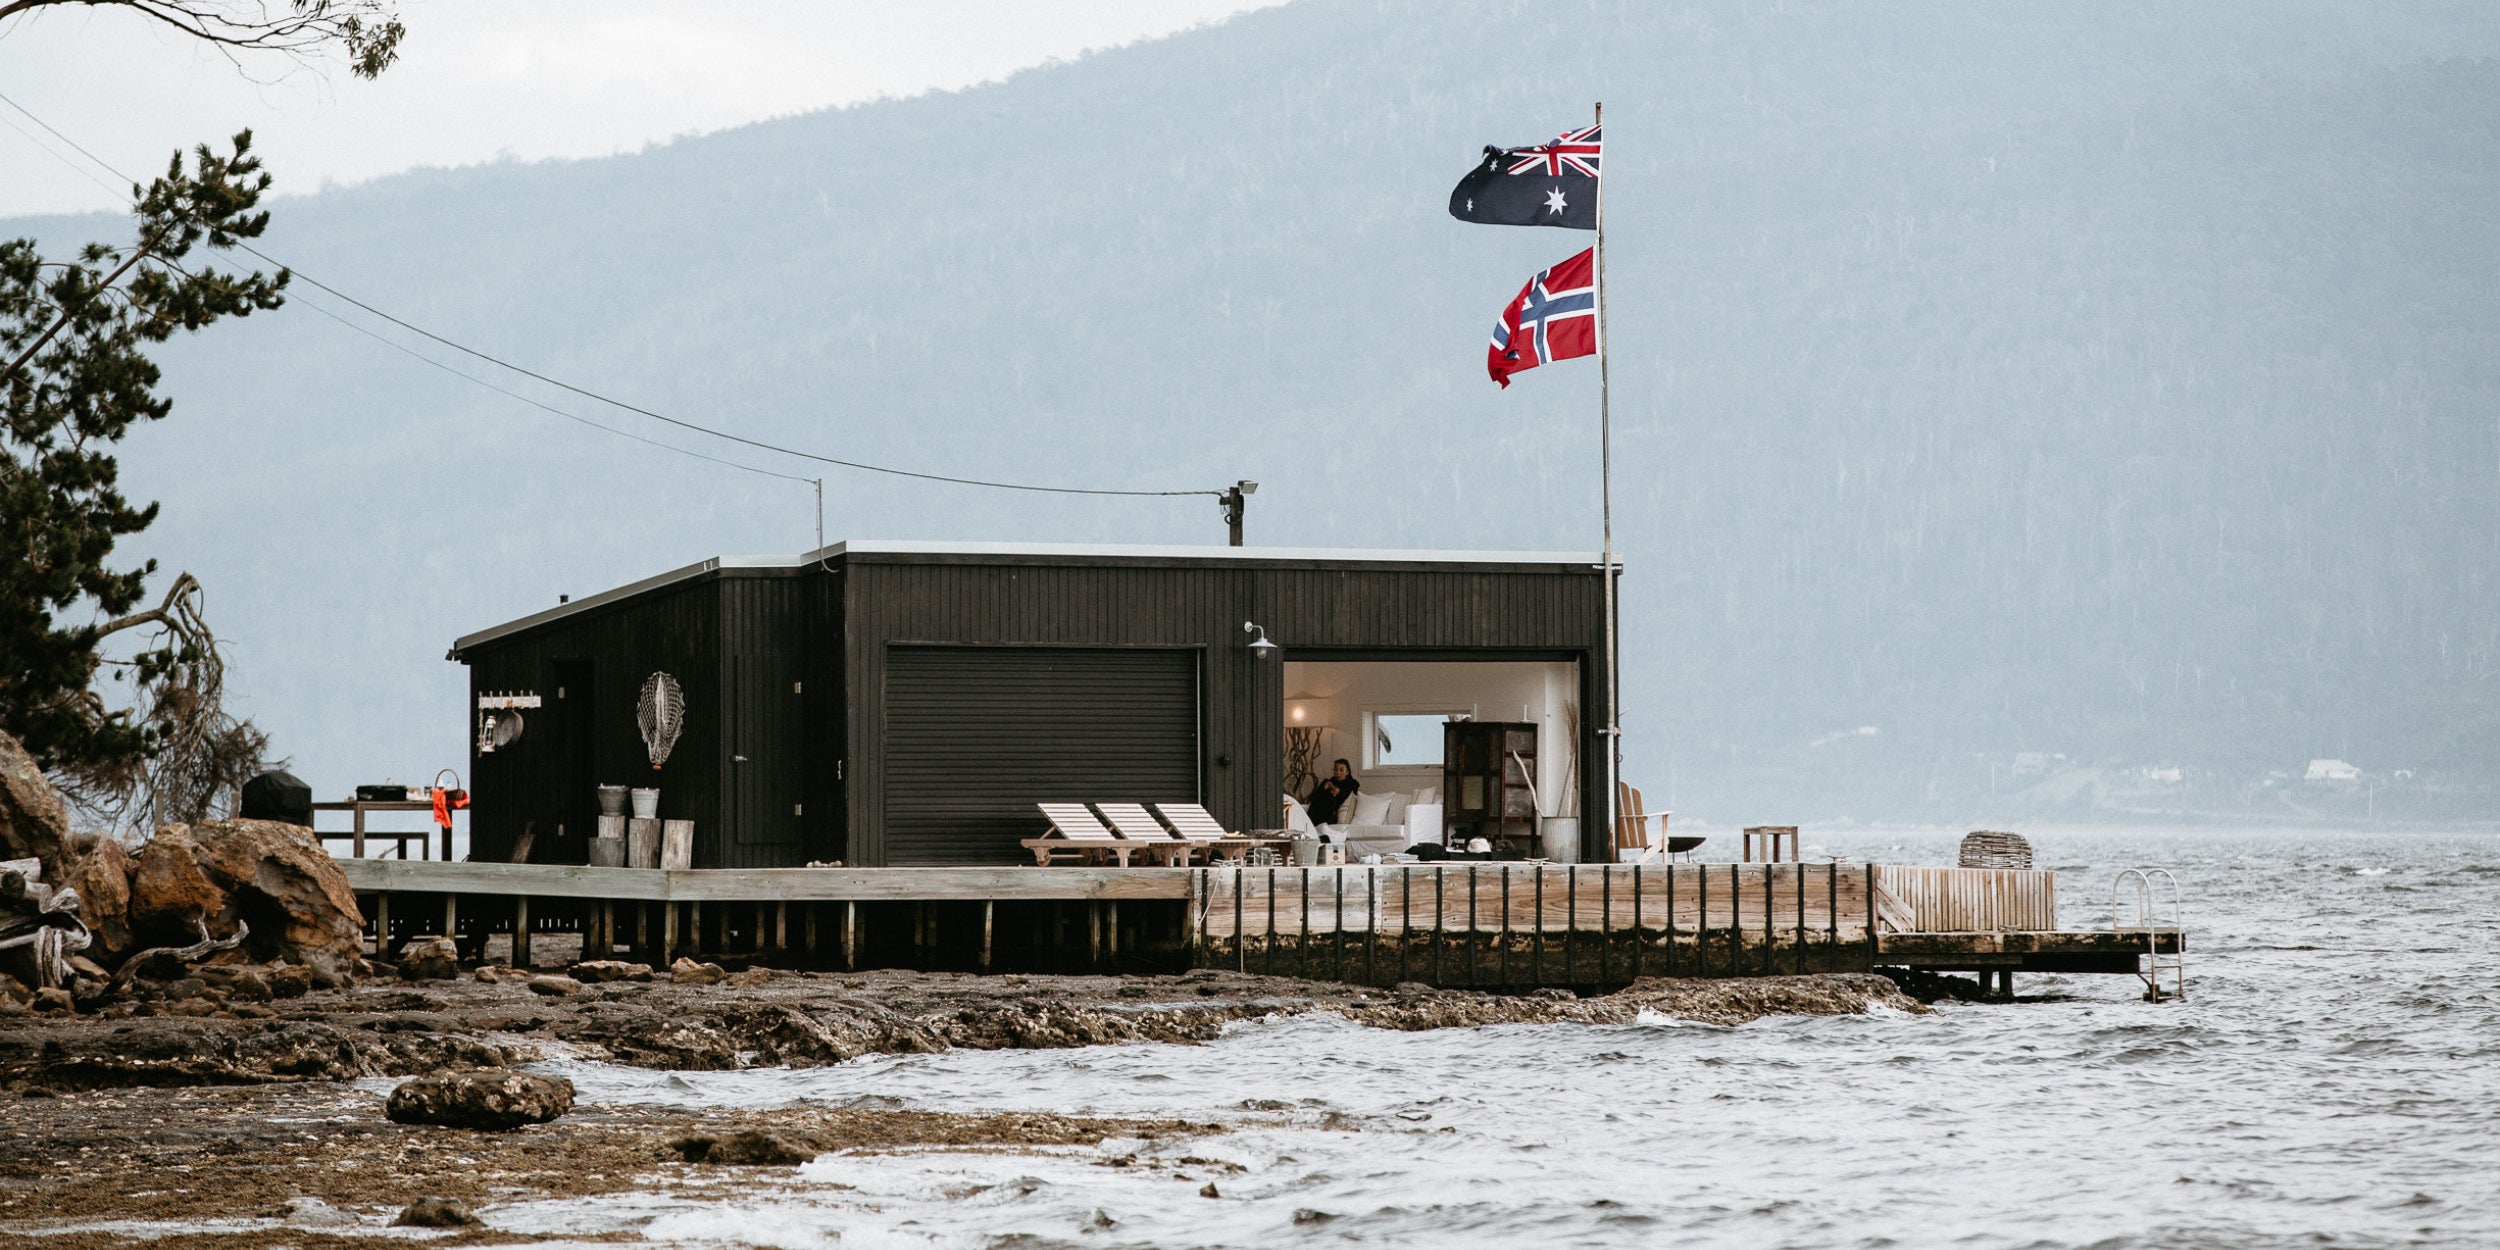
{"points": [[906, 704]]}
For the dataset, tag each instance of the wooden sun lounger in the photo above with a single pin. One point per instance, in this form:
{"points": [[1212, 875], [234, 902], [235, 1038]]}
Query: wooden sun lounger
{"points": [[1193, 823], [1075, 833], [1131, 822]]}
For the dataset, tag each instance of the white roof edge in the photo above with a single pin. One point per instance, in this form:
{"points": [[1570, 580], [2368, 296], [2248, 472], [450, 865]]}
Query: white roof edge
{"points": [[1115, 551], [885, 546], [699, 567]]}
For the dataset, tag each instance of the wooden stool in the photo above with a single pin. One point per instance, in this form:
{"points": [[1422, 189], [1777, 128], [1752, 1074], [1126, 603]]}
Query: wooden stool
{"points": [[1771, 836]]}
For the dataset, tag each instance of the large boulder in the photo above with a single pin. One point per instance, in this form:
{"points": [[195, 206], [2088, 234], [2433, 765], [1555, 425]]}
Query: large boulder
{"points": [[171, 895], [267, 874], [298, 902], [494, 1099], [101, 875], [33, 824]]}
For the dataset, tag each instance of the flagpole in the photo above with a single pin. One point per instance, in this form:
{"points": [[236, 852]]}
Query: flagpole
{"points": [[1606, 511]]}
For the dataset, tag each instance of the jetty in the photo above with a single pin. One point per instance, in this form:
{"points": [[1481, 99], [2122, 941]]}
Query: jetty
{"points": [[1496, 926], [852, 758]]}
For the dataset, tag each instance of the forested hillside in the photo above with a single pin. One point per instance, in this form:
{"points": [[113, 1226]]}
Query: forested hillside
{"points": [[2114, 382]]}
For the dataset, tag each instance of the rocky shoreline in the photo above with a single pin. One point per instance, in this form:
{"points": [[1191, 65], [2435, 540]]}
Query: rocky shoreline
{"points": [[767, 1018], [209, 1126]]}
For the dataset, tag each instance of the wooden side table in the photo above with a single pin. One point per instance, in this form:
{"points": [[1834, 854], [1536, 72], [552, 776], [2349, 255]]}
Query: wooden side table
{"points": [[1769, 838]]}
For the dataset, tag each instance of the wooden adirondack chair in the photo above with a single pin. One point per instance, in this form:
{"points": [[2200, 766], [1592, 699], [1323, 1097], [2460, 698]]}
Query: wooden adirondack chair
{"points": [[1632, 830]]}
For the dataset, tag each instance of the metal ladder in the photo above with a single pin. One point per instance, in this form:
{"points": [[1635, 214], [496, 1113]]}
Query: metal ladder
{"points": [[2140, 911]]}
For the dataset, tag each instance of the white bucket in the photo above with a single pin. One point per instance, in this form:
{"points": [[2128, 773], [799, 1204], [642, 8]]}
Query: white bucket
{"points": [[646, 803], [1561, 839]]}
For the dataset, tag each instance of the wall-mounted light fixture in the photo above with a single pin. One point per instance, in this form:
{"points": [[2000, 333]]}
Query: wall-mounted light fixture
{"points": [[1260, 647]]}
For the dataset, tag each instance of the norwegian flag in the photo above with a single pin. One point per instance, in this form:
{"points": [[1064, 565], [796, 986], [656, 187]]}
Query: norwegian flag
{"points": [[1553, 318], [1547, 184]]}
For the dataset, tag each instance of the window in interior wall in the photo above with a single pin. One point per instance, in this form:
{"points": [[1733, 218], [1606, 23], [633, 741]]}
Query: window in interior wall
{"points": [[1406, 739]]}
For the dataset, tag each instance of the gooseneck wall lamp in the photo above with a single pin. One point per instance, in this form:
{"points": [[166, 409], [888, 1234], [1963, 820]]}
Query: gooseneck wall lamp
{"points": [[1260, 647]]}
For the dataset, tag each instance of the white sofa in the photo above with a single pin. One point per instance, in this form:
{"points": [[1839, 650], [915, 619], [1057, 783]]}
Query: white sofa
{"points": [[1378, 824]]}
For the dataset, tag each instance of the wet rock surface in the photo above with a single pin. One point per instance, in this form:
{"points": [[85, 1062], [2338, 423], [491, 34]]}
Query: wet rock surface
{"points": [[744, 1147], [491, 1099], [82, 1168], [198, 1033], [436, 1213]]}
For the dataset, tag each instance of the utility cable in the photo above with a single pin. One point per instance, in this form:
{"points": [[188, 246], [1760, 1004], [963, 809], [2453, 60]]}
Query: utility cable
{"points": [[384, 340], [412, 328]]}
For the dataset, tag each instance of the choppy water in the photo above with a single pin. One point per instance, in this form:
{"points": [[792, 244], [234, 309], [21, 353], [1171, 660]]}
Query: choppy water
{"points": [[2333, 1078]]}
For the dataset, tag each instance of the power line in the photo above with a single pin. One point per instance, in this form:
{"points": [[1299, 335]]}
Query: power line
{"points": [[498, 362], [705, 429], [545, 407], [74, 146], [383, 340]]}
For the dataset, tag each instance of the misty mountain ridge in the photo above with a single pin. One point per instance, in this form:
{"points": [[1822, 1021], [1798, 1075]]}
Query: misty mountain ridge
{"points": [[2115, 385]]}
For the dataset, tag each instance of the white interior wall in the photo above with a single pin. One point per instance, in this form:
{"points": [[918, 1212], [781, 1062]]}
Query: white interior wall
{"points": [[1533, 691]]}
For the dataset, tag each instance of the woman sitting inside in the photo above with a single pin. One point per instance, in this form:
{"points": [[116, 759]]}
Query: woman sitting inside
{"points": [[1329, 797]]}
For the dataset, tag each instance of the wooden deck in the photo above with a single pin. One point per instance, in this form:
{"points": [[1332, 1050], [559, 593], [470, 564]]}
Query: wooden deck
{"points": [[1488, 924]]}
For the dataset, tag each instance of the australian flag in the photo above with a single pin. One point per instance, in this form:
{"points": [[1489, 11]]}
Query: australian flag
{"points": [[1554, 318], [1551, 184]]}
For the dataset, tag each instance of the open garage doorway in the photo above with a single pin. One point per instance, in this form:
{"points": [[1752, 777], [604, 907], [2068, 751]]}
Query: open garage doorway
{"points": [[1442, 751]]}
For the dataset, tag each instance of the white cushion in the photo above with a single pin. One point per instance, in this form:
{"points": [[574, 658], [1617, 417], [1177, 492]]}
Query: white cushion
{"points": [[1297, 817], [1397, 807], [1428, 794], [1423, 823], [1371, 809]]}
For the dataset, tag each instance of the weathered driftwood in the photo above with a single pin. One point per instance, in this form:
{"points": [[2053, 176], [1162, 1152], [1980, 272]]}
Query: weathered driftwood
{"points": [[139, 962], [44, 919]]}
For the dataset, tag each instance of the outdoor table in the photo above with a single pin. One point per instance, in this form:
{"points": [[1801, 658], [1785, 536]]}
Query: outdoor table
{"points": [[399, 837]]}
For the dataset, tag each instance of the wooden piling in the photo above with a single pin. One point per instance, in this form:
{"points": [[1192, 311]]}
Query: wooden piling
{"points": [[1505, 929], [521, 931], [850, 936], [988, 917], [1371, 924], [1637, 940]]}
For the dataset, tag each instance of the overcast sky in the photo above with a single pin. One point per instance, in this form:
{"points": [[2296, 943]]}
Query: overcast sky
{"points": [[480, 80]]}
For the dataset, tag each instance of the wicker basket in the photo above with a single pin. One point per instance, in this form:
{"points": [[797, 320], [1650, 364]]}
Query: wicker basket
{"points": [[1985, 848]]}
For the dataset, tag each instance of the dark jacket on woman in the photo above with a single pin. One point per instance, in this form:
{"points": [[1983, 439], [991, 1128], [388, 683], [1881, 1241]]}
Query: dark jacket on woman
{"points": [[1329, 797]]}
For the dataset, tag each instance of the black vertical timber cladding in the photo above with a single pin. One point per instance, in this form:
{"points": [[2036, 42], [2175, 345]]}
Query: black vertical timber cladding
{"points": [[1316, 609], [788, 667], [678, 629]]}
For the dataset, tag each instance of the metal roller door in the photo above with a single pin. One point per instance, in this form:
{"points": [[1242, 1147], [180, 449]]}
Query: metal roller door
{"points": [[975, 736]]}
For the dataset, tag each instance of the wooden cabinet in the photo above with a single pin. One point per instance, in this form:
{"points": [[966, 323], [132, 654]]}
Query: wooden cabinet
{"points": [[1487, 770]]}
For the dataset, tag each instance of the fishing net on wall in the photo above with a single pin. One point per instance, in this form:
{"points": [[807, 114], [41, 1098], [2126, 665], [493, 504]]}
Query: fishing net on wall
{"points": [[660, 713]]}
